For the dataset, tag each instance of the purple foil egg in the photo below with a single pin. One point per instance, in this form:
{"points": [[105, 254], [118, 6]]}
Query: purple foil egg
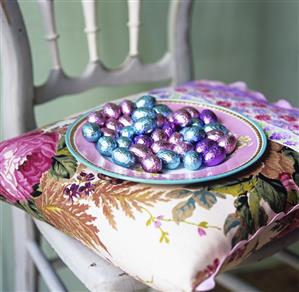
{"points": [[169, 128], [182, 148], [176, 138], [214, 156], [182, 118], [161, 120], [215, 135], [108, 132], [208, 117], [151, 163], [96, 118], [125, 120], [159, 135], [192, 111], [127, 107], [140, 151], [228, 142], [143, 140], [161, 145], [114, 125], [204, 145], [112, 110]]}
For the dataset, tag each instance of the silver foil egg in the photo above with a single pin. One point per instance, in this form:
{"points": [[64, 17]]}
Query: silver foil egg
{"points": [[215, 126], [145, 125], [123, 157], [228, 142], [151, 163], [192, 160], [170, 159], [124, 142], [106, 145], [147, 101], [143, 112], [163, 109], [128, 131], [194, 134], [91, 132], [197, 122]]}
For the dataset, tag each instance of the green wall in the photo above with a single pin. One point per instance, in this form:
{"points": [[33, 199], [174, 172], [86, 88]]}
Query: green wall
{"points": [[253, 41]]}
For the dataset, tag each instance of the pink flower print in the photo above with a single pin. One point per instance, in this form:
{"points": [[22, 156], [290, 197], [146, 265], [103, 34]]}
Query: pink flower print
{"points": [[157, 222], [263, 117], [201, 231], [223, 103], [288, 118]]}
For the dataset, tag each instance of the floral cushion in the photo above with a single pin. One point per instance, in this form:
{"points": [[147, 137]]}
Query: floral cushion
{"points": [[170, 237]]}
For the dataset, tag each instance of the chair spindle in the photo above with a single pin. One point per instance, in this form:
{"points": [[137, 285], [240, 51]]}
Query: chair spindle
{"points": [[133, 25]]}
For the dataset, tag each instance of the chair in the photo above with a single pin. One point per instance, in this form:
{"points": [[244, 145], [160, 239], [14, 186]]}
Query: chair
{"points": [[18, 117]]}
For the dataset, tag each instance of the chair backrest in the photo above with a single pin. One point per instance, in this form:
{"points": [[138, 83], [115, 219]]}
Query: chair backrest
{"points": [[19, 94]]}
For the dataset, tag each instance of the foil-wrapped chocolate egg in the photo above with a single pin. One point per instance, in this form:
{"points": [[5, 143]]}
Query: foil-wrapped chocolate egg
{"points": [[128, 131], [192, 160], [143, 112], [151, 163], [140, 151], [228, 142], [147, 101], [214, 156], [91, 132], [124, 142], [215, 126], [162, 109], [125, 120], [96, 118], [106, 145], [182, 148], [197, 122], [108, 132], [143, 140], [145, 125], [204, 145], [161, 120], [215, 135], [192, 111], [161, 145], [176, 138], [169, 128], [159, 135], [194, 134], [170, 159], [208, 117], [182, 118], [114, 125], [127, 107], [123, 157], [111, 110]]}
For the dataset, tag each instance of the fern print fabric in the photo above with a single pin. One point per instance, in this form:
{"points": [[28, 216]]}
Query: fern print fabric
{"points": [[173, 238]]}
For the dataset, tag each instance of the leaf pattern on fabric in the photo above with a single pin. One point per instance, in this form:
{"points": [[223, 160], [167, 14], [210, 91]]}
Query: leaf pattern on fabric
{"points": [[183, 210], [231, 222], [125, 196], [64, 165], [70, 218]]}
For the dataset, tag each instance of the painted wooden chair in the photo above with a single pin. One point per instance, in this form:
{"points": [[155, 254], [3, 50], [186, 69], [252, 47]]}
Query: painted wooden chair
{"points": [[19, 97]]}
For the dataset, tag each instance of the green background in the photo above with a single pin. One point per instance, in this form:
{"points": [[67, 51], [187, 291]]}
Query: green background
{"points": [[253, 41]]}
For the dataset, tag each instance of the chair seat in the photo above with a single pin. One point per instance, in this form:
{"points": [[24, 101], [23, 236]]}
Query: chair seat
{"points": [[172, 238]]}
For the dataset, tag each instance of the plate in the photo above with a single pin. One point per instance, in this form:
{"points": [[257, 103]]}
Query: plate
{"points": [[251, 146]]}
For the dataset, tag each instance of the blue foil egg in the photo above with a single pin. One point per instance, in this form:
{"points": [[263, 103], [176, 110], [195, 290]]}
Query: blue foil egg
{"points": [[106, 145], [194, 134], [143, 112], [145, 125], [147, 101], [123, 157], [197, 122], [215, 126], [170, 159], [163, 109], [91, 132], [124, 142], [128, 132], [192, 160]]}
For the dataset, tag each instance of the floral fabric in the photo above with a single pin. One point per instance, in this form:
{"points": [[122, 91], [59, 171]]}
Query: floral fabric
{"points": [[173, 238]]}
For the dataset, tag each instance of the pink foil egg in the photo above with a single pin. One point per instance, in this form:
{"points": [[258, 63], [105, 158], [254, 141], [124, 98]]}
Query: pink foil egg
{"points": [[228, 142], [182, 147], [182, 118], [214, 156], [159, 135], [140, 151], [151, 163], [143, 140], [161, 120], [208, 117], [215, 135], [125, 120], [112, 110], [192, 111], [114, 125], [161, 145], [127, 107], [96, 118], [108, 132], [176, 138]]}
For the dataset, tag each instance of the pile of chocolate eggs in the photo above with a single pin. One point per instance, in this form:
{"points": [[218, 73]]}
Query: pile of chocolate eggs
{"points": [[151, 135]]}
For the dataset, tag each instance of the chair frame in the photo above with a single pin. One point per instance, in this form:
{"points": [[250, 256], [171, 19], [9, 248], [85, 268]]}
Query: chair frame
{"points": [[18, 102]]}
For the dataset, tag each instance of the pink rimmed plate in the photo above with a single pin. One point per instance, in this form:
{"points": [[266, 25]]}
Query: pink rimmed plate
{"points": [[251, 146]]}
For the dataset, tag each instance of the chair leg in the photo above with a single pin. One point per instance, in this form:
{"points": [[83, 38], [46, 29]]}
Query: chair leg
{"points": [[26, 275]]}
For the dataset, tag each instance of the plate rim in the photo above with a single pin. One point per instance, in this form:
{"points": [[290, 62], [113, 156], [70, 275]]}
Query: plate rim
{"points": [[81, 159]]}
